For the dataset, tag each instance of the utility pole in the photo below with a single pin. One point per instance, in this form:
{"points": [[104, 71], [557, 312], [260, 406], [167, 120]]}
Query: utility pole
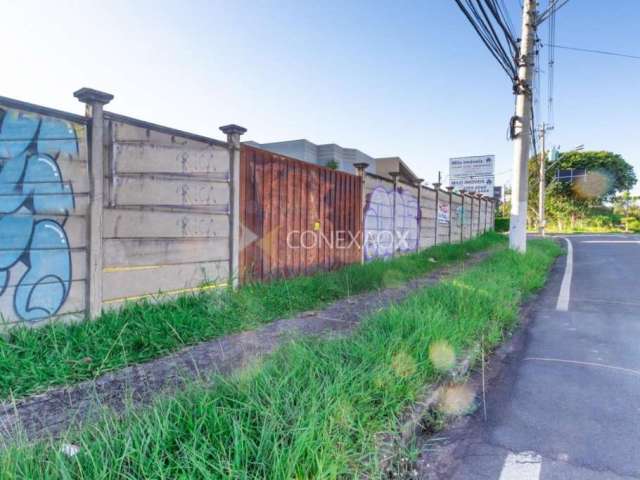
{"points": [[543, 181], [522, 129]]}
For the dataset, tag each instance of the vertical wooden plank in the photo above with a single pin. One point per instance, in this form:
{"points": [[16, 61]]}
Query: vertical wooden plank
{"points": [[259, 215], [352, 220], [266, 205], [290, 214], [359, 220], [282, 222], [321, 246], [275, 215], [339, 206], [304, 203], [314, 216], [242, 267]]}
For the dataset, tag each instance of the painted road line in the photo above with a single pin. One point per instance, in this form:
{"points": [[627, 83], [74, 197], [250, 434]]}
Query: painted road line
{"points": [[585, 364], [565, 286], [521, 466], [611, 241]]}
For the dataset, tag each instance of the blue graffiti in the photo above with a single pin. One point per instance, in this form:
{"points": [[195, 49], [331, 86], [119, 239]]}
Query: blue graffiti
{"points": [[31, 189]]}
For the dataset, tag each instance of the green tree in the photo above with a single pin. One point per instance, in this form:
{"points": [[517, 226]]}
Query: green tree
{"points": [[607, 174]]}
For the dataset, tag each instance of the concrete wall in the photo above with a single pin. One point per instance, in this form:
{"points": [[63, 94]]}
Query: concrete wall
{"points": [[164, 220], [44, 197], [166, 215], [415, 218], [103, 209]]}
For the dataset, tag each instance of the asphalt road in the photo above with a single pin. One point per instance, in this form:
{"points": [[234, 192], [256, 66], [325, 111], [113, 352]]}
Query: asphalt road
{"points": [[567, 405]]}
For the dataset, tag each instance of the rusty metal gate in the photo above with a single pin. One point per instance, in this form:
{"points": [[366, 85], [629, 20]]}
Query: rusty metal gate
{"points": [[296, 217]]}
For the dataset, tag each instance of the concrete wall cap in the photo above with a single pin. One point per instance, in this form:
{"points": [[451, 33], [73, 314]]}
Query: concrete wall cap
{"points": [[89, 95], [233, 129]]}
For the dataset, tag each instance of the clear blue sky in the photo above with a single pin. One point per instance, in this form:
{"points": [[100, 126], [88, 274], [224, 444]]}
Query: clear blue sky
{"points": [[406, 78]]}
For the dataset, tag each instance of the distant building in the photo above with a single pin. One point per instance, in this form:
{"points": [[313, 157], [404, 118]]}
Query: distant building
{"points": [[343, 158]]}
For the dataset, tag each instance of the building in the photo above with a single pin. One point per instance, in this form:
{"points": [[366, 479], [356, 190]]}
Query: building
{"points": [[344, 159]]}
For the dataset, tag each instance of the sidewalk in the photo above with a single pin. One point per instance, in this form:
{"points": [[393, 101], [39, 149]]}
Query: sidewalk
{"points": [[57, 410]]}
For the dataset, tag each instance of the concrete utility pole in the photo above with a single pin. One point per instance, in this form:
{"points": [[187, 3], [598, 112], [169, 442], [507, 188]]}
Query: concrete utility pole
{"points": [[522, 130], [543, 181]]}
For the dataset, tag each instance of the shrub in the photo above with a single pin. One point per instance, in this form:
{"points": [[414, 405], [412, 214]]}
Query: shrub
{"points": [[502, 224]]}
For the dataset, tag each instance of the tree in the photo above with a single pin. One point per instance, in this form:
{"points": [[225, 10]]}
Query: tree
{"points": [[607, 173]]}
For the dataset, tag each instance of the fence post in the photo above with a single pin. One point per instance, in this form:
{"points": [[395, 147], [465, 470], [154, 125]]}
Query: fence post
{"points": [[462, 192], [233, 133], [450, 190], [472, 196], [437, 186], [360, 172], [486, 203], [479, 197], [394, 176], [94, 101], [419, 213]]}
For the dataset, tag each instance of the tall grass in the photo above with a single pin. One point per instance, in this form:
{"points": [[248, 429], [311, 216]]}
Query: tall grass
{"points": [[312, 409], [56, 354]]}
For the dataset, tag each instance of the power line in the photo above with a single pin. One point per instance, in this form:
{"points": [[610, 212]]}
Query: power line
{"points": [[601, 52], [551, 61], [488, 20]]}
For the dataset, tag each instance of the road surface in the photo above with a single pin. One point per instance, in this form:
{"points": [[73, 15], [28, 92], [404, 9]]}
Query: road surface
{"points": [[567, 405]]}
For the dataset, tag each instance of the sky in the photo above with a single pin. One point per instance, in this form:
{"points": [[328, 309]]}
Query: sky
{"points": [[401, 78]]}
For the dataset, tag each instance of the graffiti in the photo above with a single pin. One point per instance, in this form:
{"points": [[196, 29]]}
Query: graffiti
{"points": [[460, 213], [380, 236], [34, 205]]}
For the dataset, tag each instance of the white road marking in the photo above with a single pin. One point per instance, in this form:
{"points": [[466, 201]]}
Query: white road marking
{"points": [[521, 466], [611, 241], [585, 364], [565, 286]]}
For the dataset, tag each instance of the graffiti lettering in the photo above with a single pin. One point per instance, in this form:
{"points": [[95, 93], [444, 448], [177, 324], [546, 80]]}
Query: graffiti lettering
{"points": [[379, 222], [31, 186]]}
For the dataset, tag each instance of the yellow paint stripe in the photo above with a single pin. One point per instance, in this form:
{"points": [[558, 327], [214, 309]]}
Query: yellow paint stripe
{"points": [[130, 269], [168, 292]]}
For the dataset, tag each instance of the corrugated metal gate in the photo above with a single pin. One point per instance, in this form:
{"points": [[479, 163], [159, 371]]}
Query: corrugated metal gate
{"points": [[296, 217]]}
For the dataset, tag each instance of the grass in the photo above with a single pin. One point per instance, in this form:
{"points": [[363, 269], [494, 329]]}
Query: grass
{"points": [[312, 410], [32, 360]]}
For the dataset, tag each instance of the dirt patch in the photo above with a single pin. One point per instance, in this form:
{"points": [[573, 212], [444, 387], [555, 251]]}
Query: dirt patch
{"points": [[57, 410]]}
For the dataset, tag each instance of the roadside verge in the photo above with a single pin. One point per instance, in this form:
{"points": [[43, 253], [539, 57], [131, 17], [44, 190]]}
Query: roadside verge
{"points": [[316, 406]]}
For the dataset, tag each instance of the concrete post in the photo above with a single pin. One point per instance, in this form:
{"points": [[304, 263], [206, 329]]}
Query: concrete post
{"points": [[486, 212], [462, 194], [522, 128], [437, 186], [419, 213], [394, 176], [472, 196], [450, 190], [233, 133], [94, 101], [360, 172], [479, 197]]}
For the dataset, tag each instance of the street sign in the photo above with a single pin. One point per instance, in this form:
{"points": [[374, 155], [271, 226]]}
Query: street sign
{"points": [[474, 174]]}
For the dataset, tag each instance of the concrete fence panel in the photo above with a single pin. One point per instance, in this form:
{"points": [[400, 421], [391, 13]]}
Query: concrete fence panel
{"points": [[44, 200], [102, 209], [166, 212]]}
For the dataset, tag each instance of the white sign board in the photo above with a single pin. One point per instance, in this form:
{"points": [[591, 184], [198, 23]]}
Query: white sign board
{"points": [[474, 174], [443, 213]]}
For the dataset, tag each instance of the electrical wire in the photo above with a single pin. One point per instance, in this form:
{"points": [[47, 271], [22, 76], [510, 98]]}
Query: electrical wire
{"points": [[601, 52], [551, 62], [489, 22]]}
